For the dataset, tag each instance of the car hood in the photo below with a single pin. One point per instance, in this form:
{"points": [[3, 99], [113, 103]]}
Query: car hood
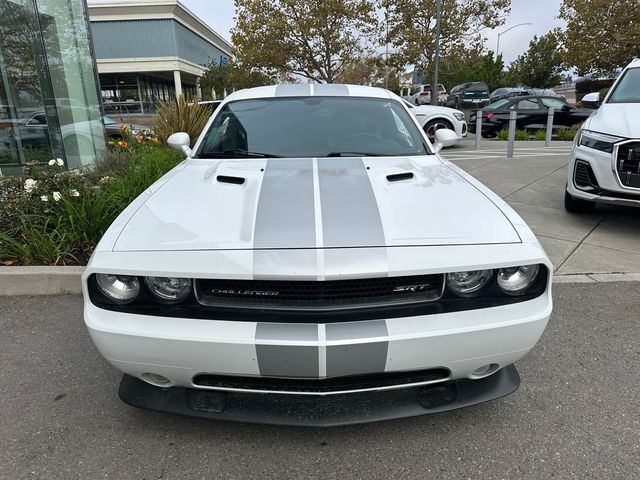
{"points": [[619, 119], [314, 203]]}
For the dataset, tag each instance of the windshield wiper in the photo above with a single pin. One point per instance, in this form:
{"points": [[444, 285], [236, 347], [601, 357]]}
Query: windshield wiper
{"points": [[357, 154], [238, 153]]}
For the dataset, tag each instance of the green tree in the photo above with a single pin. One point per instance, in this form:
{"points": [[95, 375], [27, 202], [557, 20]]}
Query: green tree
{"points": [[315, 39], [472, 65], [230, 77], [541, 65], [412, 27], [601, 35]]}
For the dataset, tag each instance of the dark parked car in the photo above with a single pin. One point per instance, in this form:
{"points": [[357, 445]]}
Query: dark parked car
{"points": [[34, 131], [531, 111], [468, 95], [508, 92]]}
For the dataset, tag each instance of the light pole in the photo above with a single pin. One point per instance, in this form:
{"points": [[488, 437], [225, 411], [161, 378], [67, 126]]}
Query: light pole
{"points": [[434, 87], [502, 33]]}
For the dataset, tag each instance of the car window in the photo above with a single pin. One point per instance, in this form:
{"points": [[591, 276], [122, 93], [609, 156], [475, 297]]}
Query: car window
{"points": [[108, 121], [293, 127], [528, 104], [477, 87], [39, 119], [553, 103], [627, 90], [497, 104]]}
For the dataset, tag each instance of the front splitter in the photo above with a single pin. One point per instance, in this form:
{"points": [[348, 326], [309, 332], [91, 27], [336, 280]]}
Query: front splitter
{"points": [[319, 411]]}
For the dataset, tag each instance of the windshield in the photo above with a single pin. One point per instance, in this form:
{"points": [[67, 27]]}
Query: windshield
{"points": [[628, 88], [293, 127], [477, 87]]}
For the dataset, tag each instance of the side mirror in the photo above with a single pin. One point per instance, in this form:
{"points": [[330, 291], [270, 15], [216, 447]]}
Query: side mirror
{"points": [[591, 100], [444, 138], [180, 141], [593, 97], [567, 108]]}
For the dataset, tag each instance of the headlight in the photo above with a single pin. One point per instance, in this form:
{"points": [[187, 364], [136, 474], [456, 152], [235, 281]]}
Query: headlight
{"points": [[469, 284], [169, 289], [515, 280], [120, 289], [459, 115], [597, 141]]}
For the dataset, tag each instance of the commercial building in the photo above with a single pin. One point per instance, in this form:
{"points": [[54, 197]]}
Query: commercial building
{"points": [[56, 83], [150, 50], [49, 104]]}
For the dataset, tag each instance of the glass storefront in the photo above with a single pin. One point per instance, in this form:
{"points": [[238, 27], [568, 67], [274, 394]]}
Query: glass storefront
{"points": [[49, 105], [130, 94]]}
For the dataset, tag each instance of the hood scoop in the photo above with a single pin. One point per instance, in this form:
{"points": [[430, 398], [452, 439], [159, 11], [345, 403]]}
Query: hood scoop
{"points": [[231, 180], [399, 177]]}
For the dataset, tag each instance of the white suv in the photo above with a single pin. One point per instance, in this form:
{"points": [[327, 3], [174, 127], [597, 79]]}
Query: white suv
{"points": [[421, 94], [605, 159]]}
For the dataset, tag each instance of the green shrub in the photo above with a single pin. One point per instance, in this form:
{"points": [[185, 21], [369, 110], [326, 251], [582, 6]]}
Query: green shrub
{"points": [[541, 135], [503, 134], [522, 135], [181, 115], [53, 217], [566, 134]]}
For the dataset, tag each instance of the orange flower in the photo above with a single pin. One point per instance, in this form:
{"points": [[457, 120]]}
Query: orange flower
{"points": [[123, 128], [138, 138], [122, 144]]}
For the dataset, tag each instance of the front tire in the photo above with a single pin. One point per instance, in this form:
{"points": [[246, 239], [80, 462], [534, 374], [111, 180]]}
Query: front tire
{"points": [[434, 125], [575, 205]]}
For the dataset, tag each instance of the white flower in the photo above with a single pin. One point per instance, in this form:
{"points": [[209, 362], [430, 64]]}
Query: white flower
{"points": [[56, 196], [44, 198], [106, 179], [60, 162], [75, 193], [52, 162], [30, 184]]}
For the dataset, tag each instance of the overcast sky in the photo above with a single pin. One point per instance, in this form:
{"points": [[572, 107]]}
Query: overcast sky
{"points": [[540, 13]]}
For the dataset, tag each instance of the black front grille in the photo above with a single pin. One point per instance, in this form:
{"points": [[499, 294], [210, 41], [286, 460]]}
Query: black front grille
{"points": [[323, 385], [319, 295], [628, 164], [584, 177]]}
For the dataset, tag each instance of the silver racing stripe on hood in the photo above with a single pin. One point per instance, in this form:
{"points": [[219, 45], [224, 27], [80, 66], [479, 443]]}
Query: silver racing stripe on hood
{"points": [[326, 204], [350, 215], [284, 217]]}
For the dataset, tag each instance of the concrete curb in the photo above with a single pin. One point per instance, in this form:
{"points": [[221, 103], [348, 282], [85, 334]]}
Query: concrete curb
{"points": [[26, 281], [18, 281]]}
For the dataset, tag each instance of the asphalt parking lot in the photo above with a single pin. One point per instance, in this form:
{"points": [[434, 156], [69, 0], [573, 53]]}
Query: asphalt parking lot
{"points": [[533, 182], [576, 415]]}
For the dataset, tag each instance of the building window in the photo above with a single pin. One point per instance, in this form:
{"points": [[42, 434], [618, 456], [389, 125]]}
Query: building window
{"points": [[48, 97]]}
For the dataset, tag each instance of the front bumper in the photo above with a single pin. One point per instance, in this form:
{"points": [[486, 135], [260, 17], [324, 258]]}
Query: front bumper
{"points": [[608, 189], [319, 411], [183, 349]]}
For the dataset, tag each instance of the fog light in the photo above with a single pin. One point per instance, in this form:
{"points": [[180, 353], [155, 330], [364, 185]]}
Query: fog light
{"points": [[156, 379], [485, 370]]}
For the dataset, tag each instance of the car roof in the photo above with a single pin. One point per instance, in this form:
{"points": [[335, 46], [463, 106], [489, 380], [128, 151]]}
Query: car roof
{"points": [[634, 63], [310, 90]]}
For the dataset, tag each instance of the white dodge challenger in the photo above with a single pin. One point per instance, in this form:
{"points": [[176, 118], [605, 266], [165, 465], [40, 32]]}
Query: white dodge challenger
{"points": [[314, 261]]}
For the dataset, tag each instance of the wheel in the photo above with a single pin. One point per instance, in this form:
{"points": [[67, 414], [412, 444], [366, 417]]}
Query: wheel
{"points": [[434, 125], [416, 102], [575, 205]]}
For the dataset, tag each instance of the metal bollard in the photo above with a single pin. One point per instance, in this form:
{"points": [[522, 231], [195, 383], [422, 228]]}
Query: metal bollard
{"points": [[512, 133], [547, 139], [478, 128]]}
